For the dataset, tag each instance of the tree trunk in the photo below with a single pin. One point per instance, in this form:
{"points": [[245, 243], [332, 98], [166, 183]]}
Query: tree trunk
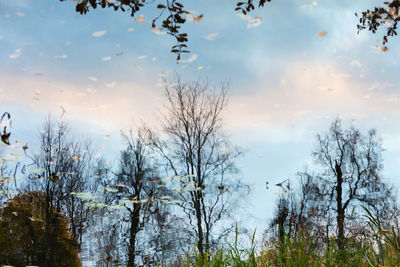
{"points": [[134, 229], [340, 210], [199, 226]]}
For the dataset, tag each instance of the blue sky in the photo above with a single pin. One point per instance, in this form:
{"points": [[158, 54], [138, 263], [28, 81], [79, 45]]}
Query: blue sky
{"points": [[286, 82]]}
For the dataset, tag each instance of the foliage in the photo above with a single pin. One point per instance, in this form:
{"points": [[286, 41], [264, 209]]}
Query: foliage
{"points": [[305, 250], [172, 14], [381, 17], [22, 233]]}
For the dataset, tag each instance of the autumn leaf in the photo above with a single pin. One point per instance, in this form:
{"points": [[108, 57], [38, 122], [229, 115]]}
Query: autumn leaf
{"points": [[197, 19]]}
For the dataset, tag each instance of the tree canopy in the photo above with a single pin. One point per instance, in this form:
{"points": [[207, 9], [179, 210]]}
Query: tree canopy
{"points": [[22, 231]]}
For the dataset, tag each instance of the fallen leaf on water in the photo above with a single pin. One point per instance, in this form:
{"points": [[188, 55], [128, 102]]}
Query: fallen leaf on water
{"points": [[140, 19], [99, 33], [91, 90], [254, 22], [322, 33], [190, 59], [111, 84], [158, 31], [62, 56], [197, 19], [384, 48], [211, 36], [75, 158], [119, 54], [16, 53]]}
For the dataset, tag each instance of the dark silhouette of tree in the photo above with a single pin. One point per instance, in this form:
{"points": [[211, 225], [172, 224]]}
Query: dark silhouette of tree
{"points": [[350, 174], [133, 178], [63, 166], [200, 156], [5, 134], [300, 211], [5, 172], [22, 233], [106, 231]]}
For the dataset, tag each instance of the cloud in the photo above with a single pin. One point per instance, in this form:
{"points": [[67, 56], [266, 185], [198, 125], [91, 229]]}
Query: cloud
{"points": [[312, 93], [116, 108]]}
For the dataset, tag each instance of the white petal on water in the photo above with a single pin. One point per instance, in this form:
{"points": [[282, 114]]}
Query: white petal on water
{"points": [[190, 59], [16, 53], [111, 84], [62, 56], [99, 33], [211, 36]]}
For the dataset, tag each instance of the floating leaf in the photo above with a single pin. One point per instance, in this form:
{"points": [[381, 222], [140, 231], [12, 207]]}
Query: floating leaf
{"points": [[110, 189], [158, 31], [37, 171], [173, 201], [62, 56], [197, 19], [97, 205], [116, 207], [16, 53], [111, 84], [254, 22], [322, 33], [99, 33], [140, 19], [211, 36], [122, 185], [190, 59], [83, 195]]}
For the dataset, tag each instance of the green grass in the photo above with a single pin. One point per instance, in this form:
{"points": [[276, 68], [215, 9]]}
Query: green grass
{"points": [[377, 246]]}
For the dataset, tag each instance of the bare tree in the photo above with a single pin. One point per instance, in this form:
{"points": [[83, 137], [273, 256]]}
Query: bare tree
{"points": [[201, 157], [133, 177], [350, 165], [63, 166]]}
